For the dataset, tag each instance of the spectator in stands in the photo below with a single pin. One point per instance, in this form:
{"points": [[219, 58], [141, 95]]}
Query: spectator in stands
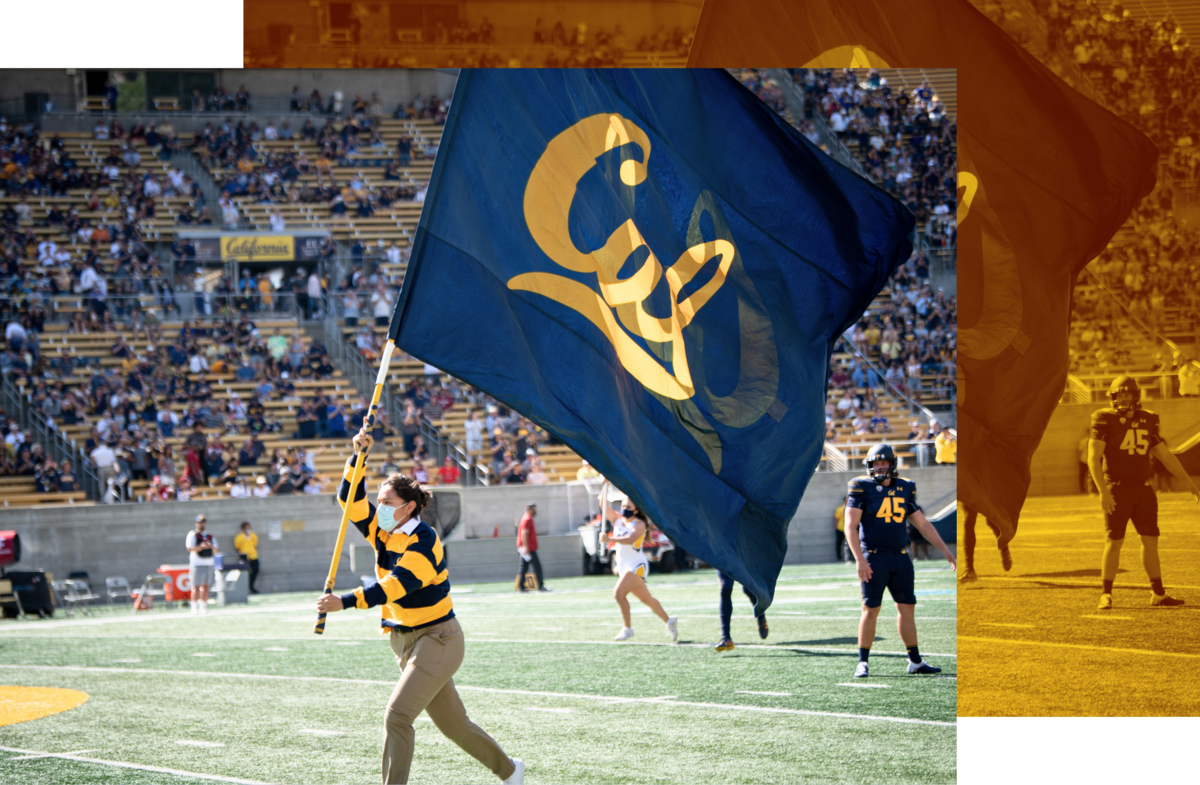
{"points": [[239, 490], [105, 460], [448, 473], [845, 406], [313, 303], [1189, 377], [280, 480], [45, 477], [336, 417], [245, 371], [946, 445], [66, 480], [261, 488]]}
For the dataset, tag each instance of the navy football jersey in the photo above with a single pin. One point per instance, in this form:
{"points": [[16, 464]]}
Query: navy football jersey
{"points": [[1128, 440], [885, 508]]}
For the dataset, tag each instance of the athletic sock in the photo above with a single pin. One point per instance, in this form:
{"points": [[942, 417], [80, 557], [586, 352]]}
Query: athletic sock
{"points": [[863, 654], [1108, 587], [195, 606], [913, 654], [1157, 587]]}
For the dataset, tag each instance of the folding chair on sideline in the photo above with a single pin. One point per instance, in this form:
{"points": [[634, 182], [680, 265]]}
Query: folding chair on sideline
{"points": [[117, 587], [79, 593], [153, 586]]}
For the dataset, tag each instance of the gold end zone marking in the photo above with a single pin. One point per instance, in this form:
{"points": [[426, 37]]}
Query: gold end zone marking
{"points": [[1002, 624], [1117, 618], [21, 704]]}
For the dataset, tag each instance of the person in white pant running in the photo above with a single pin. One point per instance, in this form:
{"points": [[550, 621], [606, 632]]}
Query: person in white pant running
{"points": [[629, 531]]}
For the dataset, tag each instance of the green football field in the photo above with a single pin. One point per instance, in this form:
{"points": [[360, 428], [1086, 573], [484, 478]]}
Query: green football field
{"points": [[1024, 629], [250, 694]]}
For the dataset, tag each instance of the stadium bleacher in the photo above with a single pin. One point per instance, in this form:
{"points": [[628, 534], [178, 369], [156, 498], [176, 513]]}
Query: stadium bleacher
{"points": [[355, 157]]}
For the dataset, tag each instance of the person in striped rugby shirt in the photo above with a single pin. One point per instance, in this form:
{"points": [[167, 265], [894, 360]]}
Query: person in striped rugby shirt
{"points": [[413, 594]]}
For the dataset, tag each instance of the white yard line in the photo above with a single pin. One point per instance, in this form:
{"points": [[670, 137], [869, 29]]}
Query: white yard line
{"points": [[775, 647], [662, 701], [40, 755], [137, 766], [1113, 649]]}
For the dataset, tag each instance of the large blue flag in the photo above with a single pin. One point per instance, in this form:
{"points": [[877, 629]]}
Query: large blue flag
{"points": [[654, 267]]}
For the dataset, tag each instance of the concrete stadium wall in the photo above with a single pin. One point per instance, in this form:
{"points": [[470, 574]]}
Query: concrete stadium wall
{"points": [[1056, 462], [133, 540]]}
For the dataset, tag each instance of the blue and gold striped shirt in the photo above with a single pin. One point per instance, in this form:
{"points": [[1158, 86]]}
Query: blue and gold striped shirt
{"points": [[410, 564]]}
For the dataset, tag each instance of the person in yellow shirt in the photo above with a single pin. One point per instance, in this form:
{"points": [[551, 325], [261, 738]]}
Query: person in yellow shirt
{"points": [[265, 291], [946, 446], [586, 472], [246, 544]]}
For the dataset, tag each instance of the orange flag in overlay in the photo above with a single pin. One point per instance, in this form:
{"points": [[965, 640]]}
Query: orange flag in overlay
{"points": [[1046, 177]]}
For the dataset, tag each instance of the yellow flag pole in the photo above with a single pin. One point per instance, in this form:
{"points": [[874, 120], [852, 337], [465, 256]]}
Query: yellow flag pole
{"points": [[356, 476]]}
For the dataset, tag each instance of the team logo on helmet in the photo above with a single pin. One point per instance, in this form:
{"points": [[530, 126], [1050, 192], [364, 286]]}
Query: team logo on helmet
{"points": [[881, 452], [1125, 384]]}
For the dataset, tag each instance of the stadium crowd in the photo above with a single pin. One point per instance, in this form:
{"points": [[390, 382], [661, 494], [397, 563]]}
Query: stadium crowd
{"points": [[228, 150], [549, 45], [1148, 74], [124, 194], [915, 334]]}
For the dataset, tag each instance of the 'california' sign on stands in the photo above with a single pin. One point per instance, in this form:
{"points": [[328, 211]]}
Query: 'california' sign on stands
{"points": [[280, 248], [211, 247]]}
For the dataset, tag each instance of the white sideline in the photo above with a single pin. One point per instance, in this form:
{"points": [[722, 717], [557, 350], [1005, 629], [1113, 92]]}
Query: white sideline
{"points": [[661, 701], [123, 765], [768, 646]]}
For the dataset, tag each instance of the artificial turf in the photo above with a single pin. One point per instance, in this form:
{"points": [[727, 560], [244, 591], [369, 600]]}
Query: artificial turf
{"points": [[541, 675], [1034, 642]]}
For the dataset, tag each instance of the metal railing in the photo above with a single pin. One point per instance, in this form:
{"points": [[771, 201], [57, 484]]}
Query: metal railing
{"points": [[833, 144], [899, 392], [43, 430], [1080, 392], [853, 453], [346, 355], [835, 459]]}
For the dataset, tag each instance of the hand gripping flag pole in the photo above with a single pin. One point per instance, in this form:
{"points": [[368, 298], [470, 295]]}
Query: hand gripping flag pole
{"points": [[360, 463]]}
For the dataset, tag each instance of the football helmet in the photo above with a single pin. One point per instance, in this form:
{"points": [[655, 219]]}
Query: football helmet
{"points": [[881, 452], [1125, 384]]}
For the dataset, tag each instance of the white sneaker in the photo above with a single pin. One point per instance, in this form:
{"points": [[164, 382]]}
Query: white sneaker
{"points": [[625, 634], [518, 776], [673, 628], [861, 671]]}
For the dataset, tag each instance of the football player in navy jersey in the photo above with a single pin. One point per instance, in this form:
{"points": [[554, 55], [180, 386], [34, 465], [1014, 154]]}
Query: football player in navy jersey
{"points": [[877, 507], [1123, 437]]}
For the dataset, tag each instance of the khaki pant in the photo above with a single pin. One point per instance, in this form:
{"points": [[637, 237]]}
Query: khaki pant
{"points": [[428, 659]]}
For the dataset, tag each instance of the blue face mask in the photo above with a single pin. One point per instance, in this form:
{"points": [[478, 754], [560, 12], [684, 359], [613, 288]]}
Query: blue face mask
{"points": [[386, 517], [627, 513]]}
